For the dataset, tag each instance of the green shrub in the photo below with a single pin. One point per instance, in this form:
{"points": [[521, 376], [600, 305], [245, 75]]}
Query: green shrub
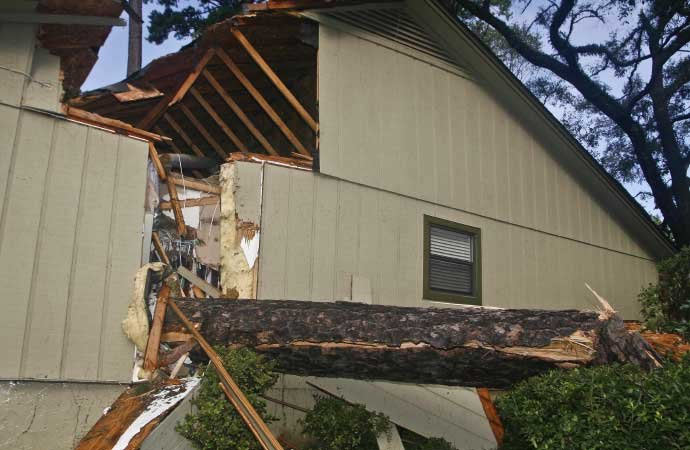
{"points": [[337, 425], [216, 425], [413, 441], [609, 407], [666, 305]]}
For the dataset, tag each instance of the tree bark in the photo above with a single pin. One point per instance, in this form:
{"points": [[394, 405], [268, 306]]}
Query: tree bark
{"points": [[460, 346]]}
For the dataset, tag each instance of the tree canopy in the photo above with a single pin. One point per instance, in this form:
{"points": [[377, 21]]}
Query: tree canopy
{"points": [[625, 95]]}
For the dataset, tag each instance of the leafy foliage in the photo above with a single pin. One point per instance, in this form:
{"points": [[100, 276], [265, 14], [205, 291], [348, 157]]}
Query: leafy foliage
{"points": [[413, 441], [606, 407], [217, 425], [337, 425], [666, 305], [625, 94], [187, 18]]}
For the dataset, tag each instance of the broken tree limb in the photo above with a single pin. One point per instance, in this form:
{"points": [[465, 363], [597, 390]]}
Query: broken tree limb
{"points": [[461, 346]]}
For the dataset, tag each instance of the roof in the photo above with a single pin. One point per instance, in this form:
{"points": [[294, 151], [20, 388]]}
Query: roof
{"points": [[77, 45], [274, 25]]}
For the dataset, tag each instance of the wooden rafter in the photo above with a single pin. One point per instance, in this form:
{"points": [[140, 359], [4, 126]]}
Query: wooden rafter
{"points": [[185, 137], [154, 114], [153, 153], [112, 124], [203, 131], [177, 209], [240, 113], [219, 121], [268, 109], [275, 79], [191, 78]]}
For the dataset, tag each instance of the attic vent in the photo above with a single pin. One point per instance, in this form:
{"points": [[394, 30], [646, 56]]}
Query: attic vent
{"points": [[396, 25]]}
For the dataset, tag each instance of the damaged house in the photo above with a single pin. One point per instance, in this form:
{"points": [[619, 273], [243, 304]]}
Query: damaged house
{"points": [[360, 151]]}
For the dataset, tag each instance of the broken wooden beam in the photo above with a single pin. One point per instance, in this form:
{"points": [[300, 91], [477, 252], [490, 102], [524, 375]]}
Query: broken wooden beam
{"points": [[187, 274], [191, 202], [158, 245], [177, 209], [194, 183], [155, 159], [154, 341], [483, 347]]}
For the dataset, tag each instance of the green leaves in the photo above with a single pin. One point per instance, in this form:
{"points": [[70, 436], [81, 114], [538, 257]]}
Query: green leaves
{"points": [[609, 407], [216, 424]]}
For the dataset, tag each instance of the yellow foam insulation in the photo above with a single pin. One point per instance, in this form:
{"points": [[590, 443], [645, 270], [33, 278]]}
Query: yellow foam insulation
{"points": [[136, 324]]}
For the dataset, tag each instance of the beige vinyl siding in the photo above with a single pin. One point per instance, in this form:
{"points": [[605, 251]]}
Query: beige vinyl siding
{"points": [[400, 124], [72, 205], [318, 231]]}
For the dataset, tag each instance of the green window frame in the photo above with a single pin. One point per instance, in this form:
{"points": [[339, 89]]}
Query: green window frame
{"points": [[474, 295]]}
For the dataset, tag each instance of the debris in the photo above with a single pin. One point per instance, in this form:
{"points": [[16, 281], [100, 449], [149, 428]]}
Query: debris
{"points": [[136, 324], [189, 276]]}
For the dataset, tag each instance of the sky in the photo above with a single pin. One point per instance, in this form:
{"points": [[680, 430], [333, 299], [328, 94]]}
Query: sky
{"points": [[111, 66]]}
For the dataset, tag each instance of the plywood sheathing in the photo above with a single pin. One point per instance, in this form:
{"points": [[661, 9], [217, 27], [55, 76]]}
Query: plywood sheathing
{"points": [[240, 232]]}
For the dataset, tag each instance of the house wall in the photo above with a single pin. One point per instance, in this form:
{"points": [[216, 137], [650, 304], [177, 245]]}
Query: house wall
{"points": [[71, 214], [403, 125], [318, 232]]}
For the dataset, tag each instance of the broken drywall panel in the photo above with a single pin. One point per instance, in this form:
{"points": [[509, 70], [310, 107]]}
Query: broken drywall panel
{"points": [[208, 248], [164, 400], [38, 415], [239, 227]]}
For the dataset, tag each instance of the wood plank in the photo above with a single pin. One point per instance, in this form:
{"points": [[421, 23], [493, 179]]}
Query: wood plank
{"points": [[192, 183], [268, 109], [185, 137], [154, 114], [175, 336], [187, 274], [203, 131], [240, 113], [220, 122], [491, 414], [177, 210], [112, 124], [192, 202], [154, 341], [153, 153], [191, 78], [232, 391], [159, 248], [304, 114]]}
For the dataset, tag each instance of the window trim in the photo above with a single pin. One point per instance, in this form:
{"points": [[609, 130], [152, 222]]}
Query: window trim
{"points": [[429, 294]]}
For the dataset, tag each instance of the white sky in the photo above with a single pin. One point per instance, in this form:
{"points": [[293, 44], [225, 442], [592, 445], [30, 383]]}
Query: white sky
{"points": [[111, 66]]}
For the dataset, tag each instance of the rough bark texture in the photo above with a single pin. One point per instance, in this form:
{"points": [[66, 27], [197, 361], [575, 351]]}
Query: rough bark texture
{"points": [[464, 346]]}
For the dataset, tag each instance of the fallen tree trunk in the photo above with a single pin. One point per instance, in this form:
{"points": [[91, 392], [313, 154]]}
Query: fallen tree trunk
{"points": [[460, 346]]}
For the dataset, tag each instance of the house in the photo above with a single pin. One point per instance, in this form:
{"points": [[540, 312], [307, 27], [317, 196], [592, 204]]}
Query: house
{"points": [[367, 151]]}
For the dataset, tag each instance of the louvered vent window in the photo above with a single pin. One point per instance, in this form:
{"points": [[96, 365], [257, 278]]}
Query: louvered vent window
{"points": [[451, 256]]}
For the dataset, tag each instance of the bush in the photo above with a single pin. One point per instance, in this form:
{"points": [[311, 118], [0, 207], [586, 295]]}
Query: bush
{"points": [[666, 305], [337, 425], [216, 424], [609, 407]]}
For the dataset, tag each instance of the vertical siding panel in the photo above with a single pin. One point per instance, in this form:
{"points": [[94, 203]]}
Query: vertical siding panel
{"points": [[274, 236], [347, 249], [329, 99], [426, 143], [541, 217], [19, 232], [515, 177], [370, 104], [17, 42], [487, 170], [368, 253], [406, 156], [349, 81], [115, 357], [444, 153], [88, 279], [458, 142], [325, 237], [528, 174], [410, 242], [503, 209], [388, 250], [299, 239], [9, 122], [50, 285]]}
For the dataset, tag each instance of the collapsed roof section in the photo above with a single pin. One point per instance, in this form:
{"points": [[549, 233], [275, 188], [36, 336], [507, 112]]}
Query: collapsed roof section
{"points": [[248, 85]]}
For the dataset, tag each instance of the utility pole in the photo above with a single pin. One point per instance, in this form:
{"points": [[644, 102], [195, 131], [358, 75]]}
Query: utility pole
{"points": [[135, 36]]}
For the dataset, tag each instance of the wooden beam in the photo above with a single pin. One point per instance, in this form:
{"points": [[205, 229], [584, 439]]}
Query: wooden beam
{"points": [[232, 391], [153, 153], [268, 109], [115, 125], [220, 122], [176, 149], [491, 414], [185, 137], [203, 131], [187, 274], [261, 62], [191, 78], [177, 210], [192, 202], [158, 245], [151, 117], [61, 19], [154, 341], [239, 113], [191, 183]]}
